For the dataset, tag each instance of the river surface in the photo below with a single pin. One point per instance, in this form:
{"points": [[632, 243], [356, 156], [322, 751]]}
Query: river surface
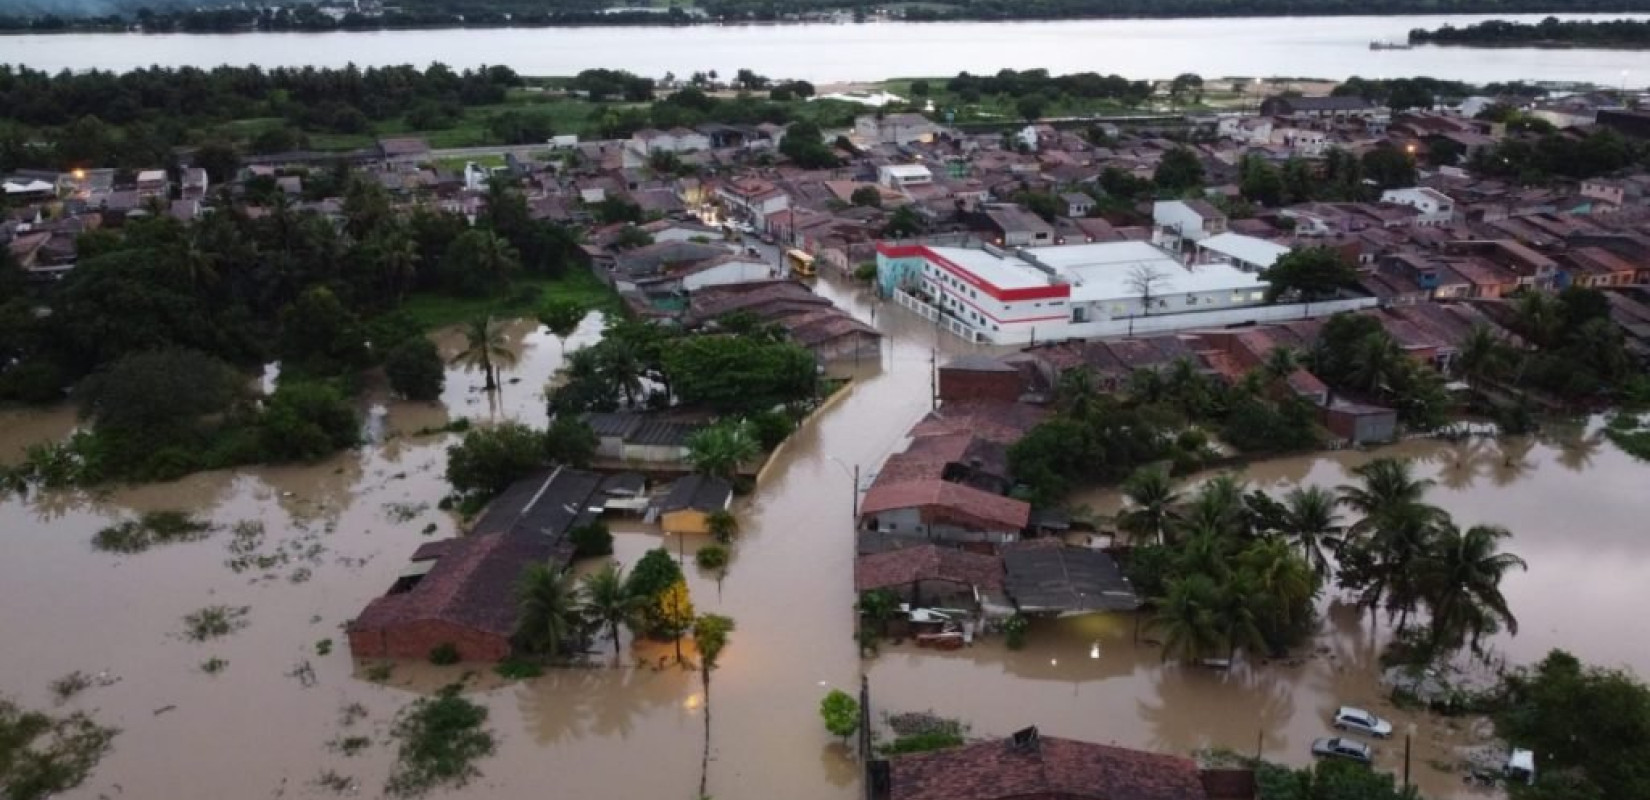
{"points": [[261, 727], [1321, 47]]}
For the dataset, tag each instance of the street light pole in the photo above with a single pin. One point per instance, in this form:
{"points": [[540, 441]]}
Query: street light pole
{"points": [[853, 473]]}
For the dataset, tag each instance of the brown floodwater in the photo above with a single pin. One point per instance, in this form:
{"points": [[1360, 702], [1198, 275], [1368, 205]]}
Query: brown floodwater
{"points": [[335, 534]]}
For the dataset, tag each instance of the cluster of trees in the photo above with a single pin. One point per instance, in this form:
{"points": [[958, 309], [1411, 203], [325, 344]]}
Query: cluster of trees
{"points": [[489, 459], [97, 118], [1239, 570], [1572, 350], [1226, 570], [1355, 354], [1339, 177], [1590, 728], [1049, 89], [1401, 94], [1159, 417], [730, 372], [690, 106], [1328, 780], [1309, 274], [1549, 32], [556, 615], [1551, 154], [236, 292]]}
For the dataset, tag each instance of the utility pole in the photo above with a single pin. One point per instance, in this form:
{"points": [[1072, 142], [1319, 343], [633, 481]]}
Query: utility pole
{"points": [[856, 494], [933, 378], [1406, 761]]}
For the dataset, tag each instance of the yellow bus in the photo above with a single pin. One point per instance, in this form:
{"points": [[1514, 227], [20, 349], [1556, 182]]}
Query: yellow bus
{"points": [[802, 264]]}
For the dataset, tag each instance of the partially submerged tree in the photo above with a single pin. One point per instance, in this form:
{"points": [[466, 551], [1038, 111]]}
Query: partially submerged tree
{"points": [[547, 610], [487, 349], [840, 712], [609, 603]]}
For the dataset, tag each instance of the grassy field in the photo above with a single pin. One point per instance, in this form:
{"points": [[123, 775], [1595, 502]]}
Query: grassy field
{"points": [[579, 286]]}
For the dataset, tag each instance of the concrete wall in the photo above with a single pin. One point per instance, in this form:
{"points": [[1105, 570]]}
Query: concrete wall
{"points": [[685, 521], [909, 522]]}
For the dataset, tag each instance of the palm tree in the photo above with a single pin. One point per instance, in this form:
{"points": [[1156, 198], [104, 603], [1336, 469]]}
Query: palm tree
{"points": [[1540, 319], [1399, 547], [1281, 362], [1283, 583], [1076, 393], [1376, 363], [1461, 577], [485, 347], [1186, 617], [1153, 499], [547, 609], [1238, 614], [495, 258], [1387, 485], [1218, 507], [719, 450], [608, 603], [622, 367], [1310, 523], [398, 259], [1483, 356]]}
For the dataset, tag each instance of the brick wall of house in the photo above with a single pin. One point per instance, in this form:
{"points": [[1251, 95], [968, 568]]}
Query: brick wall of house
{"points": [[415, 640], [958, 386]]}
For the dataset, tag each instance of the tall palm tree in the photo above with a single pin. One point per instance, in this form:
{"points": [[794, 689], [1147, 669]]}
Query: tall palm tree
{"points": [[1386, 485], [1400, 546], [495, 258], [1284, 585], [1218, 507], [398, 259], [1281, 362], [1461, 577], [1376, 364], [1311, 524], [547, 609], [608, 603], [485, 347], [622, 367], [1153, 504], [1186, 618], [1238, 613], [719, 450], [1483, 356], [1076, 393], [1540, 319]]}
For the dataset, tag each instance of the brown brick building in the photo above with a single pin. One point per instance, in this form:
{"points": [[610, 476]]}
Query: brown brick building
{"points": [[462, 591], [980, 379]]}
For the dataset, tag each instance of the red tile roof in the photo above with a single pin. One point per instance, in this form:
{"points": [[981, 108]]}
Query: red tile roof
{"points": [[962, 504], [927, 562], [1053, 768]]}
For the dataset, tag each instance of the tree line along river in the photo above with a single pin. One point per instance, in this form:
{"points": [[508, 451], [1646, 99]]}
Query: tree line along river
{"points": [[1322, 47]]}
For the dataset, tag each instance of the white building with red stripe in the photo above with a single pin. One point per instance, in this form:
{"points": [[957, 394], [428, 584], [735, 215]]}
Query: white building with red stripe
{"points": [[988, 294]]}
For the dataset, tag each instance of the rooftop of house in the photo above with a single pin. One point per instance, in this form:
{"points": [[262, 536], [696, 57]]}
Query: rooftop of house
{"points": [[1243, 248], [1043, 767], [697, 492], [641, 429], [1047, 575], [1106, 270], [927, 562], [982, 508]]}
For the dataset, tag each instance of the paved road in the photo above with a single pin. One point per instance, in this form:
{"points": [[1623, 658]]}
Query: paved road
{"points": [[519, 150]]}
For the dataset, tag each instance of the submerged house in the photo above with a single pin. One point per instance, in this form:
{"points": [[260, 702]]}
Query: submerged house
{"points": [[1029, 765], [687, 507], [461, 591], [938, 509], [640, 439]]}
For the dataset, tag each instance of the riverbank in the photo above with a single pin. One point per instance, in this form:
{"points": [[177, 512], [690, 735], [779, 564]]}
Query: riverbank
{"points": [[1328, 47], [1617, 34]]}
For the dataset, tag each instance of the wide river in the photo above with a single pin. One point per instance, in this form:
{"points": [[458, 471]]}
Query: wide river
{"points": [[337, 533], [1320, 47]]}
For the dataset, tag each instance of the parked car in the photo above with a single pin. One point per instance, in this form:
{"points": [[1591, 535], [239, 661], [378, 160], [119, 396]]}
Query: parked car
{"points": [[1342, 747], [1357, 720]]}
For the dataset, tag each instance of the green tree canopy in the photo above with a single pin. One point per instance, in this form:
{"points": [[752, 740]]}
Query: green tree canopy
{"points": [[1309, 274]]}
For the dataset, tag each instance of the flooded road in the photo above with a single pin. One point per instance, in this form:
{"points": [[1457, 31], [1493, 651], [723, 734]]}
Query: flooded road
{"points": [[336, 534]]}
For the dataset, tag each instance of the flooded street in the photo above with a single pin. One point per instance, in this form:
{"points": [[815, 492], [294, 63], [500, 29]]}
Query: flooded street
{"points": [[337, 533]]}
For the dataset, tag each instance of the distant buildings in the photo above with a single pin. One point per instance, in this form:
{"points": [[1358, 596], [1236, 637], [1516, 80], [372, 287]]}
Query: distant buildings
{"points": [[894, 128]]}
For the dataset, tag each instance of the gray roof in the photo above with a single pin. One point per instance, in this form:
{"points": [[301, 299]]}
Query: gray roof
{"points": [[698, 492], [549, 503], [1045, 575], [641, 429], [977, 362]]}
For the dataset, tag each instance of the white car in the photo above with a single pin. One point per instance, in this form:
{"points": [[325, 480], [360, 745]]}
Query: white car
{"points": [[1343, 748], [1357, 720]]}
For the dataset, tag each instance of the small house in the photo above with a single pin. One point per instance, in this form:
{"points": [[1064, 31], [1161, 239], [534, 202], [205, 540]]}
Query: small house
{"points": [[1360, 423], [691, 501]]}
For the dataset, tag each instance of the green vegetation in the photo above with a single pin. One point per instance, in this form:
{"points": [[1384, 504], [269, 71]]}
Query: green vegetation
{"points": [[1589, 727], [518, 669], [489, 459], [922, 732], [1354, 353], [1014, 631], [66, 687], [150, 529], [610, 602], [1629, 433], [720, 450], [42, 756], [723, 525], [214, 622], [591, 540], [1310, 274], [439, 740], [711, 557], [430, 310], [840, 712], [1550, 32], [671, 616], [445, 654], [547, 617], [350, 745], [214, 665], [415, 370], [1328, 780], [1097, 438]]}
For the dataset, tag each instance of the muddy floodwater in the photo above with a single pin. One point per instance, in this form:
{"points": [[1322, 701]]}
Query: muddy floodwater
{"points": [[305, 547]]}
